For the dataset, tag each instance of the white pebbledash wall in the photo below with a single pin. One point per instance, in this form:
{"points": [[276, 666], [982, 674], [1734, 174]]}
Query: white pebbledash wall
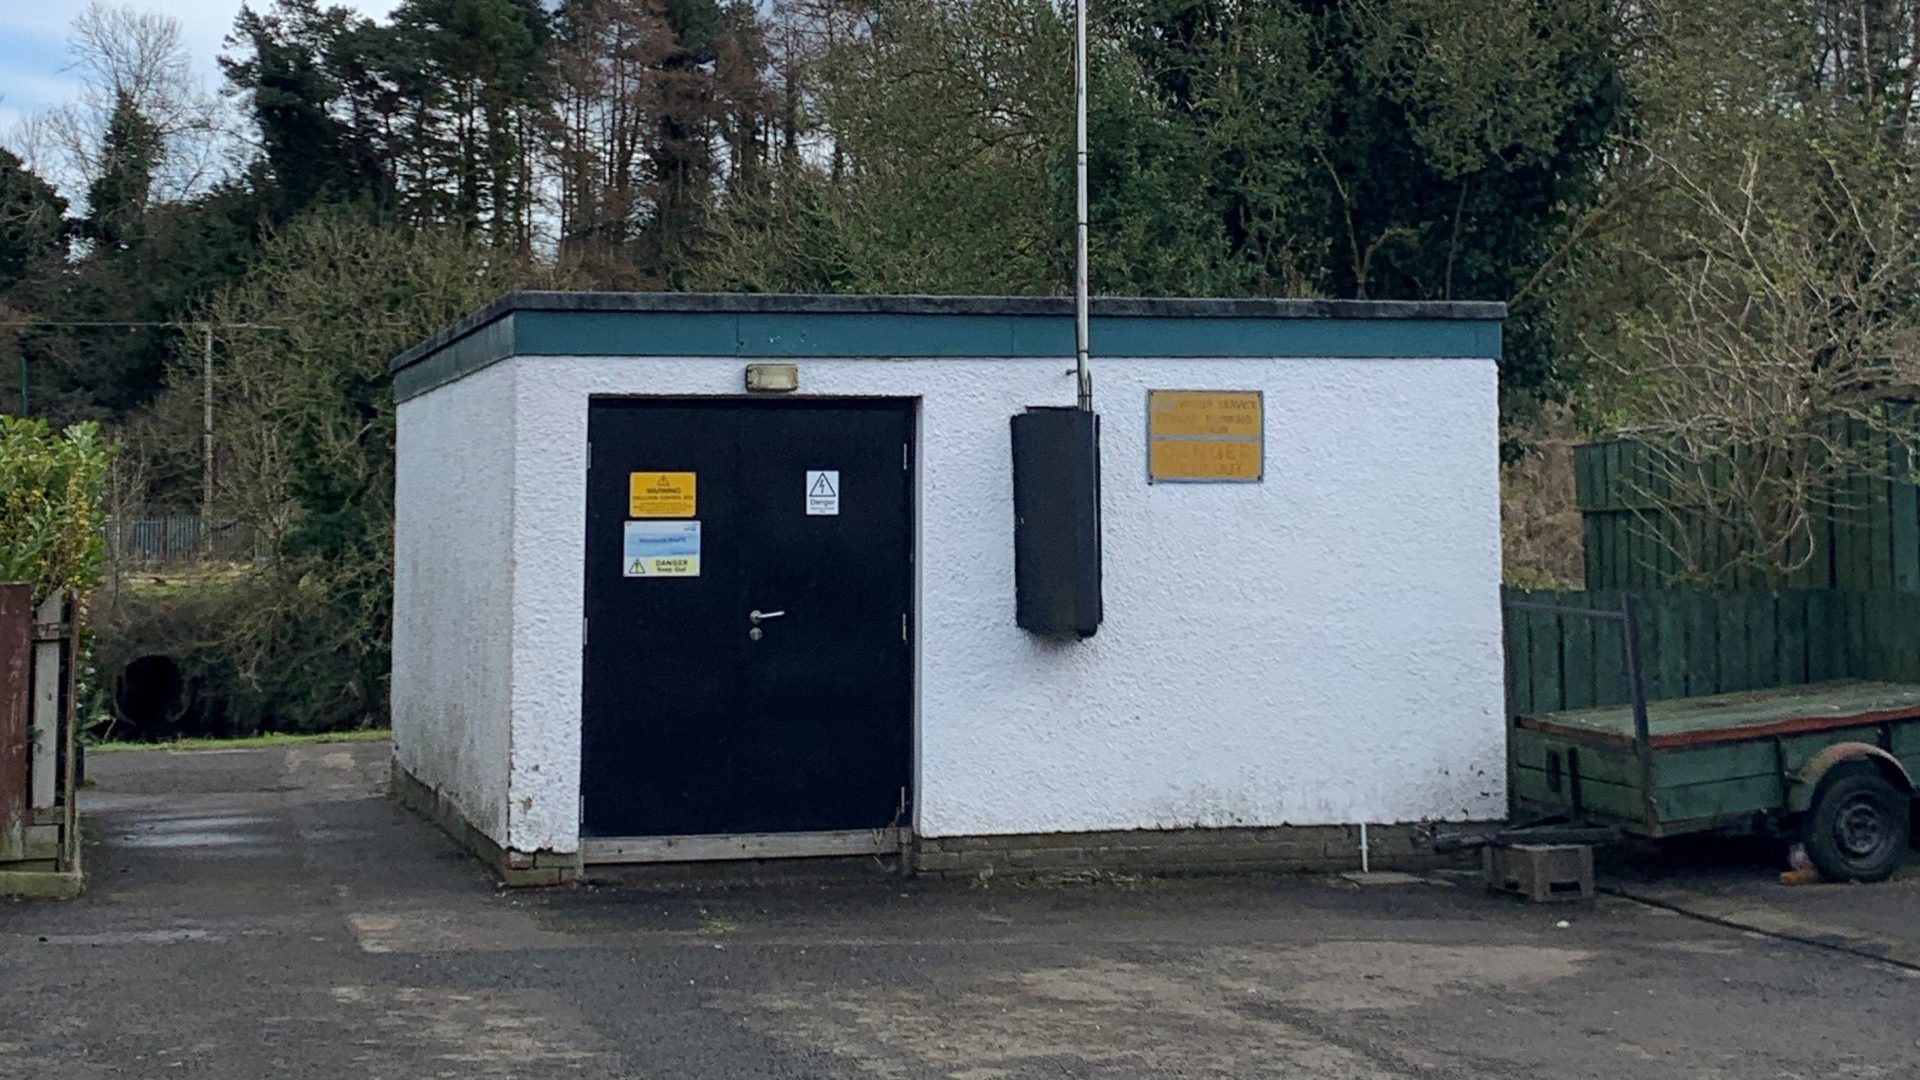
{"points": [[453, 592], [1323, 647]]}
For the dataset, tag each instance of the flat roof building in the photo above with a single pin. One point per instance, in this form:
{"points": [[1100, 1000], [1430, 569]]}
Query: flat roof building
{"points": [[642, 611]]}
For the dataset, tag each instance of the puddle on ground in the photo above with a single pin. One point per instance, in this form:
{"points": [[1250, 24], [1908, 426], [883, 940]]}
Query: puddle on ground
{"points": [[169, 822], [223, 832], [187, 840], [335, 835], [129, 937]]}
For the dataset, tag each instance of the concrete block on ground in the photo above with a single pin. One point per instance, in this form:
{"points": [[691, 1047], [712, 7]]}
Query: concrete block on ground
{"points": [[1541, 872]]}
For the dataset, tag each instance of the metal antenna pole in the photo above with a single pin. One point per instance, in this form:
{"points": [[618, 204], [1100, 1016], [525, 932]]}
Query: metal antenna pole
{"points": [[1083, 378], [206, 434]]}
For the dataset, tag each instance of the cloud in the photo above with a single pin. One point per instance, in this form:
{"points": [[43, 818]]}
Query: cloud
{"points": [[46, 19], [29, 89], [23, 92], [33, 35], [36, 72], [31, 58]]}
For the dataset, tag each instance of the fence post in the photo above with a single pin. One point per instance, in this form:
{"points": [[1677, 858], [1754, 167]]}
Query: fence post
{"points": [[70, 735], [1637, 686], [46, 706], [16, 646]]}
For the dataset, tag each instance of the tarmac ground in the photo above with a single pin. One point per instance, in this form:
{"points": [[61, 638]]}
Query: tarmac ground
{"points": [[269, 913]]}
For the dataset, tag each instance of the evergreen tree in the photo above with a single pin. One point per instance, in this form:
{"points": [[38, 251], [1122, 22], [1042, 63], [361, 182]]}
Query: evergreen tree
{"points": [[296, 63], [33, 226], [477, 66], [683, 151], [117, 198]]}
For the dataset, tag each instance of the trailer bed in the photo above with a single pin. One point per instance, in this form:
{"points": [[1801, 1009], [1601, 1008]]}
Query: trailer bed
{"points": [[1757, 714], [1710, 762]]}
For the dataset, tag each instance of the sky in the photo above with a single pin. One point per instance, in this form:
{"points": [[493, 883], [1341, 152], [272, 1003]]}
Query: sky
{"points": [[34, 67]]}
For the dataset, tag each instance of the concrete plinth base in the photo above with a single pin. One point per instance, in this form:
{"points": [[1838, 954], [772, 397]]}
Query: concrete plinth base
{"points": [[41, 884], [515, 868], [42, 873], [1283, 848]]}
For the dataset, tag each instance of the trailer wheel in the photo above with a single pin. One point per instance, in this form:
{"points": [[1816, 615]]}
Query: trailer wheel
{"points": [[1858, 826]]}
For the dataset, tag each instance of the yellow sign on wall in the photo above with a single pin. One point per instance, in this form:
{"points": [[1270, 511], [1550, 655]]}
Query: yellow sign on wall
{"points": [[660, 495], [1199, 436], [1208, 413], [1183, 459]]}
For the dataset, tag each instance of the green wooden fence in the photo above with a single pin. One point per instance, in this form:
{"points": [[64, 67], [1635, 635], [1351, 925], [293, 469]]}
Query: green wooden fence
{"points": [[1694, 643], [1864, 534]]}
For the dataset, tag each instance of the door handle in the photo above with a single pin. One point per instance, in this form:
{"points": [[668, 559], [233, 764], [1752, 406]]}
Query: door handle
{"points": [[759, 616]]}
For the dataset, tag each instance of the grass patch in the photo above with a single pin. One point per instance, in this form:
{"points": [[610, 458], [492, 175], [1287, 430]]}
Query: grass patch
{"points": [[248, 742], [178, 580]]}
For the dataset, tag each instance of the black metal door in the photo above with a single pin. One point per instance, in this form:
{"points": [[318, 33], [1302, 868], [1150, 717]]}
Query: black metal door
{"points": [[698, 717]]}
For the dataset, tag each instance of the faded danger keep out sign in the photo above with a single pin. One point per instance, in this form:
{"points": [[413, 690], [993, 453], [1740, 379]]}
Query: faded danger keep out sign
{"points": [[1205, 436], [660, 495]]}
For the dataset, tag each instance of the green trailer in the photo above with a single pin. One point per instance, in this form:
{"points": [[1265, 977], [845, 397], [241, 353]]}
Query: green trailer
{"points": [[1830, 763]]}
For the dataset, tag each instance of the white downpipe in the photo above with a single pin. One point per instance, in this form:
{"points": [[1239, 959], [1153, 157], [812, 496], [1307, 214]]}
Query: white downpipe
{"points": [[1365, 868]]}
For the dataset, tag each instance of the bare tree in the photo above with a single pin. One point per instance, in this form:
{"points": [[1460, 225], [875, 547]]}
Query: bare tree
{"points": [[123, 53], [1763, 369], [33, 140]]}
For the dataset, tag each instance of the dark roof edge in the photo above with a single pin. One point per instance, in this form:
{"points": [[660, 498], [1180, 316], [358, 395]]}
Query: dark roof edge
{"points": [[1106, 306]]}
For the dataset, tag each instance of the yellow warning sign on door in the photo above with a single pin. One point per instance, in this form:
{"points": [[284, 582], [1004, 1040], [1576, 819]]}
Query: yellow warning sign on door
{"points": [[660, 495]]}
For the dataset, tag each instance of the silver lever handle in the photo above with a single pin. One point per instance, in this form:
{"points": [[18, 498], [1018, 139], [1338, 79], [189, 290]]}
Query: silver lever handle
{"points": [[757, 615]]}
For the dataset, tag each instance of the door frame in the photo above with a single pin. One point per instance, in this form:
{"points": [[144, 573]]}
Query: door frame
{"points": [[893, 840]]}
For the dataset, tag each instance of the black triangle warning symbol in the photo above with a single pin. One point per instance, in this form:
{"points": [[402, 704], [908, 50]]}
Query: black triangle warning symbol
{"points": [[822, 488]]}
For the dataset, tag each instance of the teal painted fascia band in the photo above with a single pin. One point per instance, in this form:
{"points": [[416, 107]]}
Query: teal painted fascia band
{"points": [[485, 346], [594, 333], [915, 334]]}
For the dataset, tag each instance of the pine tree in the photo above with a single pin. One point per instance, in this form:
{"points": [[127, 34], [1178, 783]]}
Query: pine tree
{"points": [[295, 64], [32, 224], [117, 198]]}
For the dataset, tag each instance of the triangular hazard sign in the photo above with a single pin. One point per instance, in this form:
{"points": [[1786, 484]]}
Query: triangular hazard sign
{"points": [[821, 487]]}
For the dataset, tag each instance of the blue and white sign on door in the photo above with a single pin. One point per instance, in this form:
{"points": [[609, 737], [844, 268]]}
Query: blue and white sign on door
{"points": [[662, 549]]}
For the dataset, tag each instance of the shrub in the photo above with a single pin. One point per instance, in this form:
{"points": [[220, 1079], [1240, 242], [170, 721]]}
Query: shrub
{"points": [[52, 493], [251, 654], [299, 642]]}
